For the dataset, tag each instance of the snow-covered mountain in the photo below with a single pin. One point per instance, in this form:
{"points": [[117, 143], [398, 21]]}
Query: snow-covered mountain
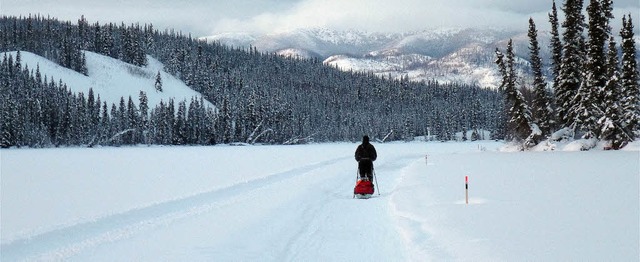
{"points": [[112, 79], [446, 55]]}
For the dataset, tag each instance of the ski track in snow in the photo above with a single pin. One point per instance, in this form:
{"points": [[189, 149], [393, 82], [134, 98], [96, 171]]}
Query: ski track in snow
{"points": [[66, 242], [323, 218], [301, 243]]}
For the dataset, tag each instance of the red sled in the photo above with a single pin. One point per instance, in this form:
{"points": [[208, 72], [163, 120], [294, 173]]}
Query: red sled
{"points": [[364, 189]]}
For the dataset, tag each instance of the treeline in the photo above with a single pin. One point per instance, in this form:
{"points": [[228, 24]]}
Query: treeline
{"points": [[260, 97], [596, 90]]}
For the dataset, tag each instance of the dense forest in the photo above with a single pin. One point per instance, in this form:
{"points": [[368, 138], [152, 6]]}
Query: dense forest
{"points": [[596, 93], [259, 97]]}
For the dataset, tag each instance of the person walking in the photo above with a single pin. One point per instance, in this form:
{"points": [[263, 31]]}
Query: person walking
{"points": [[365, 155]]}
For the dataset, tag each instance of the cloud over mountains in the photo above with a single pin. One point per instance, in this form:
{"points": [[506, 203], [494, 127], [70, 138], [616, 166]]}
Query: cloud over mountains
{"points": [[272, 16]]}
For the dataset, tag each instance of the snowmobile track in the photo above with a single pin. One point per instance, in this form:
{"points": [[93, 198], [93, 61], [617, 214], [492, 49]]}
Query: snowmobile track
{"points": [[65, 242]]}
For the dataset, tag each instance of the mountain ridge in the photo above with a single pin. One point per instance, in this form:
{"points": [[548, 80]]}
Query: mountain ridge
{"points": [[446, 55]]}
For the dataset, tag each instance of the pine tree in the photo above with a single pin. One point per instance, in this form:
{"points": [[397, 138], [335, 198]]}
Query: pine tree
{"points": [[143, 125], [253, 116], [133, 122], [556, 46], [180, 125], [193, 122], [149, 41], [108, 42], [80, 120], [520, 126], [607, 10], [7, 138], [123, 122], [129, 46], [98, 39], [133, 46], [542, 111], [140, 56], [588, 103], [629, 79], [225, 122], [502, 68], [570, 77], [158, 83], [93, 113], [66, 123], [161, 132], [83, 33], [596, 55], [105, 124], [18, 62], [114, 126], [169, 118], [610, 123], [82, 67]]}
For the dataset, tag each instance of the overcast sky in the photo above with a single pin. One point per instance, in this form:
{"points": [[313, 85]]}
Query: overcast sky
{"points": [[203, 18]]}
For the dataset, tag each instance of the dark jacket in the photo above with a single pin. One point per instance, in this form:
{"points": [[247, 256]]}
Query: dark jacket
{"points": [[366, 150]]}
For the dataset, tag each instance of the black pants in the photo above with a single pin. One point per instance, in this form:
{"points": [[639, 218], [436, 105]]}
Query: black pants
{"points": [[365, 169]]}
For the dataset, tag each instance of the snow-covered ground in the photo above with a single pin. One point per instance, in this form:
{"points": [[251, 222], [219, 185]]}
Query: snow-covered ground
{"points": [[294, 203]]}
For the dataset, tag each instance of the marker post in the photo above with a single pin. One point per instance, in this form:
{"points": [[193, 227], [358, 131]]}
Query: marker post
{"points": [[466, 189]]}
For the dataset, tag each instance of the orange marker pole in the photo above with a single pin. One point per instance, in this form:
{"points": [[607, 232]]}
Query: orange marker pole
{"points": [[466, 189]]}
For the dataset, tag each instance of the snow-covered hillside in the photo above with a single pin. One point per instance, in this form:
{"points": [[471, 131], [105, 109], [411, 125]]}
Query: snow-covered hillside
{"points": [[112, 79], [467, 65], [295, 203]]}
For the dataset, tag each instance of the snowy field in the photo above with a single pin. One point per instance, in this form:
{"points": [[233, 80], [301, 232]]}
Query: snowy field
{"points": [[294, 203]]}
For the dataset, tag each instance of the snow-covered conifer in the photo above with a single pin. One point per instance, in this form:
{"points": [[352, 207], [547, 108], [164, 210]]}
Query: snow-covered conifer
{"points": [[629, 78], [587, 104], [542, 111], [610, 124], [555, 45], [158, 83], [520, 125], [180, 125], [570, 77]]}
